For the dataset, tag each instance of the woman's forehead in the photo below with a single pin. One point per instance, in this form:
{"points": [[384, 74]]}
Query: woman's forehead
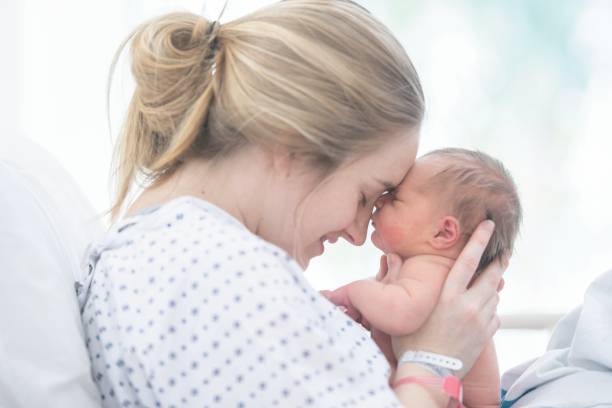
{"points": [[397, 159], [387, 166]]}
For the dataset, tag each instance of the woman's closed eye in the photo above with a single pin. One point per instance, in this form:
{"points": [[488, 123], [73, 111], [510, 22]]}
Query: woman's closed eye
{"points": [[389, 193]]}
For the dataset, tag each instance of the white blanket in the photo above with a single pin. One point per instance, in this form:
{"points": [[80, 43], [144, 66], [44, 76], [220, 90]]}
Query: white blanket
{"points": [[576, 369]]}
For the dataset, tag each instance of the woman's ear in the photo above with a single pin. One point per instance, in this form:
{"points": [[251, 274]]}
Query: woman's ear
{"points": [[447, 233]]}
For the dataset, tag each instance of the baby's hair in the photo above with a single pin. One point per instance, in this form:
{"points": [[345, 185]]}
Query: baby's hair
{"points": [[480, 187]]}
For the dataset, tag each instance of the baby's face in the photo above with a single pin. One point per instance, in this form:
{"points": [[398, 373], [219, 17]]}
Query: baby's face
{"points": [[405, 219]]}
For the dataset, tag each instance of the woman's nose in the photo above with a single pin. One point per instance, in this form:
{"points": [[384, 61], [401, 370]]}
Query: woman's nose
{"points": [[358, 230]]}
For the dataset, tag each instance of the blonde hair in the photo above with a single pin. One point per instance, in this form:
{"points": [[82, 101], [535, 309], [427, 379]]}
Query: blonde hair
{"points": [[321, 79], [479, 187]]}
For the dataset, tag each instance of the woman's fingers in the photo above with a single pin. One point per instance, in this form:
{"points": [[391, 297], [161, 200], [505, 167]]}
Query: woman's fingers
{"points": [[489, 320], [493, 326], [489, 308], [463, 320], [460, 275], [487, 283]]}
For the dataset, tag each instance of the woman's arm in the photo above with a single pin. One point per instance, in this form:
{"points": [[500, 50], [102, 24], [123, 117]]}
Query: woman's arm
{"points": [[415, 395], [481, 385]]}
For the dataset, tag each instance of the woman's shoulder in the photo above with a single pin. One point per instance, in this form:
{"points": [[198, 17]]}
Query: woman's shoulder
{"points": [[187, 224], [183, 237], [212, 239], [189, 237], [181, 214]]}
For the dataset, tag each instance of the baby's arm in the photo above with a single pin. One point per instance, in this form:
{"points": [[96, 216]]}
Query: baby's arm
{"points": [[400, 306], [481, 385]]}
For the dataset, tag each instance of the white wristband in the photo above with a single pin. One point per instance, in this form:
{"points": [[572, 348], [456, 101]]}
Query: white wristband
{"points": [[431, 358]]}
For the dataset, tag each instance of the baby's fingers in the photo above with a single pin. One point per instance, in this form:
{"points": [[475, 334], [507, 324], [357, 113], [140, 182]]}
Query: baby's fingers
{"points": [[382, 271], [460, 275]]}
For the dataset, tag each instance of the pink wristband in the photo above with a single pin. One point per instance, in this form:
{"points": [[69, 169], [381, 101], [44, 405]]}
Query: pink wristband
{"points": [[450, 385]]}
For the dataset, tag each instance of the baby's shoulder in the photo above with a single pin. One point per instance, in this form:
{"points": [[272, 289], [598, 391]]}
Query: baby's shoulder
{"points": [[426, 268]]}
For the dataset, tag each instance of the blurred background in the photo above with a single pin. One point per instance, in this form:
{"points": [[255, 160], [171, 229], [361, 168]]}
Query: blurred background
{"points": [[527, 82]]}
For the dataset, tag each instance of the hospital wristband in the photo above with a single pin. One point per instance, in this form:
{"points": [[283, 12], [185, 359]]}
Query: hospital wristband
{"points": [[440, 364], [434, 369], [450, 385]]}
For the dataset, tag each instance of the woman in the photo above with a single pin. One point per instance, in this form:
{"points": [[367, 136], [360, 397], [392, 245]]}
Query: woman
{"points": [[262, 139]]}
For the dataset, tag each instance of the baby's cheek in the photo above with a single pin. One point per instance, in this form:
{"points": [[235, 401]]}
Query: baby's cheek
{"points": [[394, 236]]}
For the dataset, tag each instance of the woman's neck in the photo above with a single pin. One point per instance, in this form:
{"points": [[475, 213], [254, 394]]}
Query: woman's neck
{"points": [[231, 184]]}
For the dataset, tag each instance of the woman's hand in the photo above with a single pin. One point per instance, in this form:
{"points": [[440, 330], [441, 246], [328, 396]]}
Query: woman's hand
{"points": [[464, 320]]}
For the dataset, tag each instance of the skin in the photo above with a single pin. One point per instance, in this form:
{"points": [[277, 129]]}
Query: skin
{"points": [[414, 219], [463, 306], [413, 222], [289, 204], [282, 200]]}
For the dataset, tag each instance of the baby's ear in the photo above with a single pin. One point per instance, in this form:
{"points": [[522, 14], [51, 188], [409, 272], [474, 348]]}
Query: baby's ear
{"points": [[447, 233]]}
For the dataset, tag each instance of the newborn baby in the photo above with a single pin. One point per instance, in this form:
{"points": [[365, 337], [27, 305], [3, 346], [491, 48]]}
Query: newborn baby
{"points": [[427, 221]]}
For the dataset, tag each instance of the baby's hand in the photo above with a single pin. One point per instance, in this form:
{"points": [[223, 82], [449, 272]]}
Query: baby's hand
{"points": [[382, 271], [385, 260], [339, 297]]}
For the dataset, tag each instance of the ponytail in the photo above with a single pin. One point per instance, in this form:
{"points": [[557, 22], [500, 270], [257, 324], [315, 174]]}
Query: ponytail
{"points": [[173, 59]]}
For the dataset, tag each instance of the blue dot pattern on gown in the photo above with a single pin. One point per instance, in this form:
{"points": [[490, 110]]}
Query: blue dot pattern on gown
{"points": [[186, 307]]}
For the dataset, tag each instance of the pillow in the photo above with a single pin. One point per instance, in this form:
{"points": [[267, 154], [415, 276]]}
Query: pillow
{"points": [[45, 226]]}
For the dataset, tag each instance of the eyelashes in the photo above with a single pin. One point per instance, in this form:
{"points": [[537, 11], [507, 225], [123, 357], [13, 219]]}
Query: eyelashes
{"points": [[389, 193]]}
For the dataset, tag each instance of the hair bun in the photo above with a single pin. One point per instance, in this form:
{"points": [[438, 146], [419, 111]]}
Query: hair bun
{"points": [[202, 35], [170, 63]]}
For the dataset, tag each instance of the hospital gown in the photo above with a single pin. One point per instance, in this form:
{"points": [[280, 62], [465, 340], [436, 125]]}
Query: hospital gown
{"points": [[184, 306]]}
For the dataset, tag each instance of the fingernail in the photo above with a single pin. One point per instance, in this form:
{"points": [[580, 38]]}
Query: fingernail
{"points": [[489, 225]]}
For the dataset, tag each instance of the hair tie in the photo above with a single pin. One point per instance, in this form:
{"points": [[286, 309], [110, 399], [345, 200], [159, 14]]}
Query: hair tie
{"points": [[211, 42]]}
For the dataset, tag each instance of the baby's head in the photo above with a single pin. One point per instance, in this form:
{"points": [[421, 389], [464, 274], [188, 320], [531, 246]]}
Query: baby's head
{"points": [[443, 198]]}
